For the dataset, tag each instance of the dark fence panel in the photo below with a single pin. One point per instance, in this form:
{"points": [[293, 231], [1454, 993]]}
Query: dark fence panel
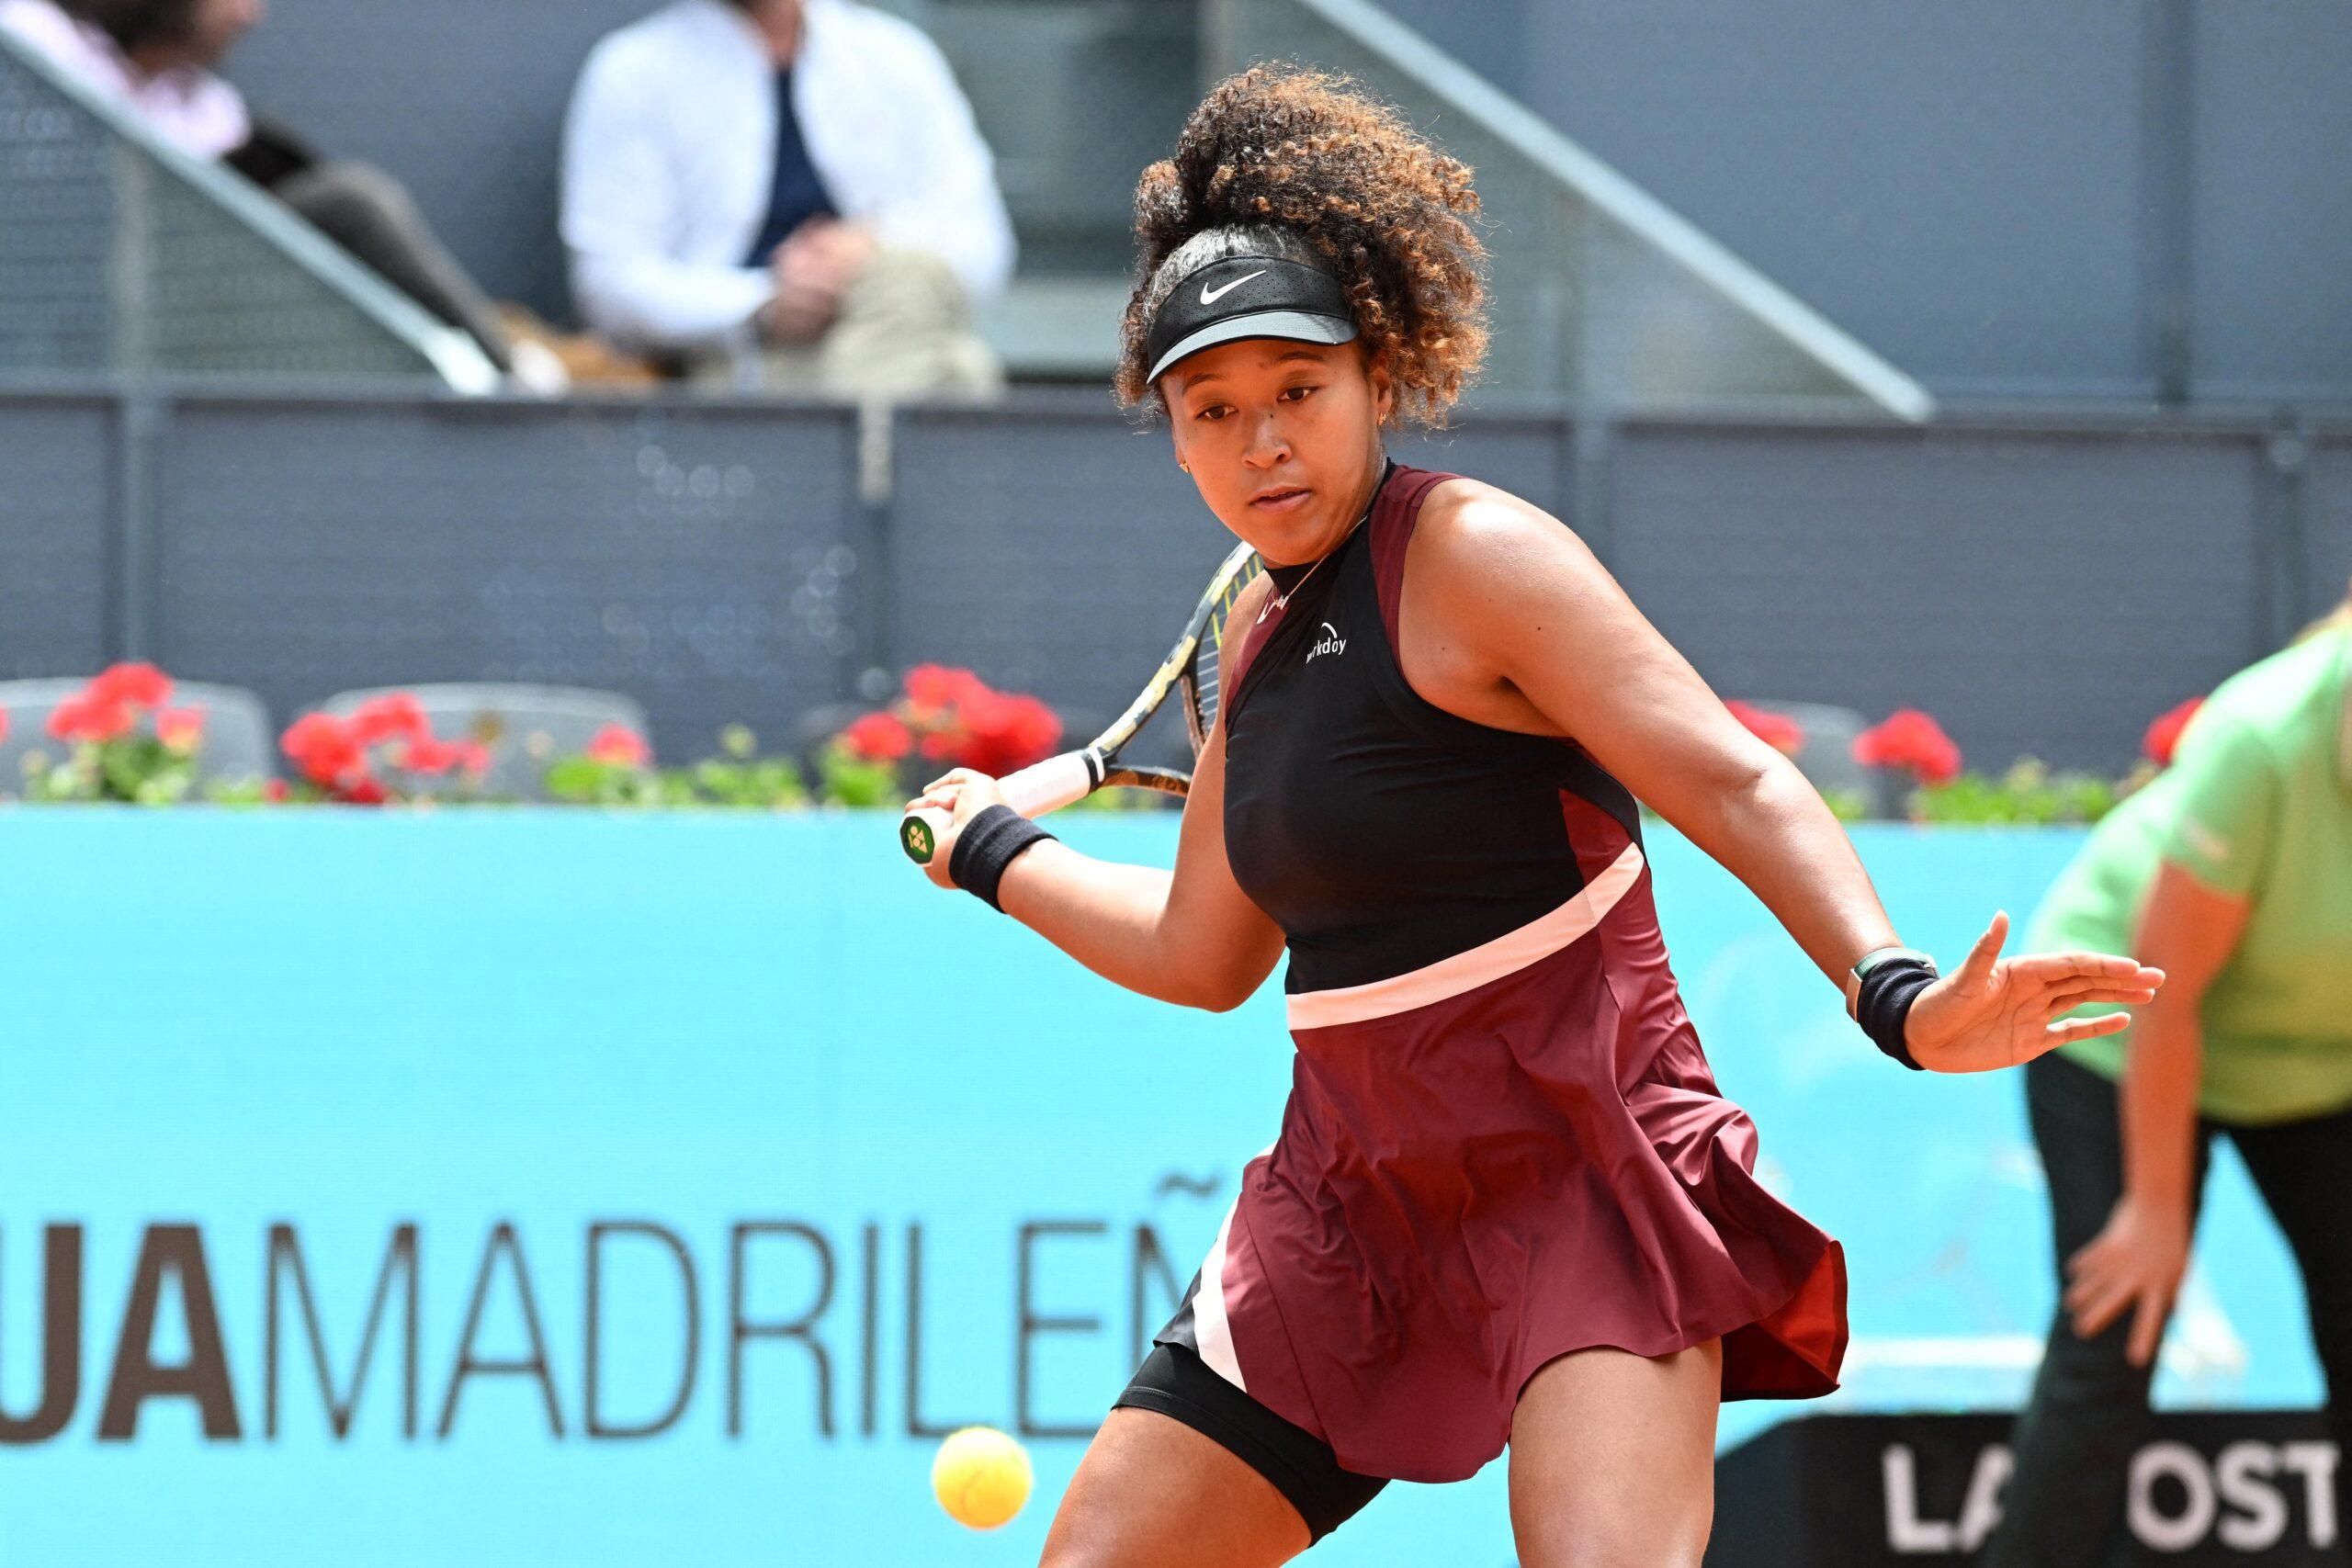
{"points": [[1052, 551], [2039, 593], [57, 490], [1057, 550], [706, 561], [2041, 588]]}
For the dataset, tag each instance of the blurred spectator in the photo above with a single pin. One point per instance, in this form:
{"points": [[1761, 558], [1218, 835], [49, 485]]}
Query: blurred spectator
{"points": [[156, 57], [784, 193], [2232, 872]]}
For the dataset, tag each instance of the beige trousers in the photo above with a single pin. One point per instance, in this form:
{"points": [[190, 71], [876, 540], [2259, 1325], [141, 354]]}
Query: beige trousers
{"points": [[905, 329]]}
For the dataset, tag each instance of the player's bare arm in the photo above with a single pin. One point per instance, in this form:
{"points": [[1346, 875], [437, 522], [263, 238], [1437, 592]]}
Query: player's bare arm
{"points": [[1509, 619], [1189, 936]]}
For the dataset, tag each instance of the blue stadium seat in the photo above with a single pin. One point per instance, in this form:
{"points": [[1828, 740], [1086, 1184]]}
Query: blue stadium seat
{"points": [[238, 743]]}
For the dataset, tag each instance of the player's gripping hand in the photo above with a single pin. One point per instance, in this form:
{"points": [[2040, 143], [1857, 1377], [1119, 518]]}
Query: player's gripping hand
{"points": [[1999, 1012], [964, 794]]}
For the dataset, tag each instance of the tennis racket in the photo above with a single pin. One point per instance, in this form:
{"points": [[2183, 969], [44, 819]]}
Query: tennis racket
{"points": [[1190, 670]]}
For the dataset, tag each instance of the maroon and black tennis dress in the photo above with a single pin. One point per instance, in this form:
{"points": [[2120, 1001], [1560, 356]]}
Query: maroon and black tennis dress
{"points": [[1502, 1142]]}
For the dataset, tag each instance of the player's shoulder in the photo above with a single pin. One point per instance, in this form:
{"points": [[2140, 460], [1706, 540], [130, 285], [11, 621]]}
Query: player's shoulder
{"points": [[1471, 534], [1463, 509]]}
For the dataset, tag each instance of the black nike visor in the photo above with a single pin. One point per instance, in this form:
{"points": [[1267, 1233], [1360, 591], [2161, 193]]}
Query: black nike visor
{"points": [[1239, 297]]}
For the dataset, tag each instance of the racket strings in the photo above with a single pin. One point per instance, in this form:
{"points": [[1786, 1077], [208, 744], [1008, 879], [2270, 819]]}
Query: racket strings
{"points": [[1207, 659]]}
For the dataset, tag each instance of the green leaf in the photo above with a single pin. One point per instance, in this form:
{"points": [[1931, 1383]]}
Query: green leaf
{"points": [[1847, 804], [843, 778]]}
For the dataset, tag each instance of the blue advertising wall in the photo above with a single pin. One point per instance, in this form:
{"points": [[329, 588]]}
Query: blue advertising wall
{"points": [[701, 1170]]}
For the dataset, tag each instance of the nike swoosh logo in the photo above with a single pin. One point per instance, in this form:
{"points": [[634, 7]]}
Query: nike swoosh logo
{"points": [[1211, 296]]}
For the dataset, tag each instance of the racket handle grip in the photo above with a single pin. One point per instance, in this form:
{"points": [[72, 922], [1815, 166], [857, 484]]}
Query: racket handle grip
{"points": [[1032, 791]]}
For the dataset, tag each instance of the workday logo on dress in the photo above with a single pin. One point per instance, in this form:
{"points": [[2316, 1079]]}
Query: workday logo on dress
{"points": [[1329, 642]]}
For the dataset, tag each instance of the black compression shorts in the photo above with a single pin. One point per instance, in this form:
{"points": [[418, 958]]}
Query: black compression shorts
{"points": [[1174, 1381]]}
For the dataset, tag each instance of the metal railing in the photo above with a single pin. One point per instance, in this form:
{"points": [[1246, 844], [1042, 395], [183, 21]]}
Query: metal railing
{"points": [[1602, 293], [121, 256]]}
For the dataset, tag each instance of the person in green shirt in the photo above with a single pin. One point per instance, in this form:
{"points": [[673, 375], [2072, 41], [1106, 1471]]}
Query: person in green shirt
{"points": [[2232, 872]]}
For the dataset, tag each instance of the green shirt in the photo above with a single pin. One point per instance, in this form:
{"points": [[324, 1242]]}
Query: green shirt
{"points": [[2257, 804]]}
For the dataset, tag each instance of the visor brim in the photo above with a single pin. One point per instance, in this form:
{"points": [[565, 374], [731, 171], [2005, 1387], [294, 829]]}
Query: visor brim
{"points": [[1299, 326]]}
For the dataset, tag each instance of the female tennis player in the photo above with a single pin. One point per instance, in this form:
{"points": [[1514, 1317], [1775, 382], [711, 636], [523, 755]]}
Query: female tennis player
{"points": [[1508, 1204]]}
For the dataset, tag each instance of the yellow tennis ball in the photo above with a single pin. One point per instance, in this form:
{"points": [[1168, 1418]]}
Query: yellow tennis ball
{"points": [[981, 1476]]}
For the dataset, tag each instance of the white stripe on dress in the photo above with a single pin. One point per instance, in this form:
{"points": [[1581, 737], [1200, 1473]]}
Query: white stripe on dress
{"points": [[1467, 970], [1209, 1325]]}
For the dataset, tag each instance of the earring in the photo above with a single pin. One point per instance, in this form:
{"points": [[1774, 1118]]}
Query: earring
{"points": [[1186, 466]]}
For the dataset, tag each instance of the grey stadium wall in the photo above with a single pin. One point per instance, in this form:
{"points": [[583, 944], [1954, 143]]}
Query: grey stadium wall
{"points": [[2043, 586]]}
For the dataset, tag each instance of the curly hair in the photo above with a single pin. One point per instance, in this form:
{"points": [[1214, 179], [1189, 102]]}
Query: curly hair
{"points": [[1285, 161]]}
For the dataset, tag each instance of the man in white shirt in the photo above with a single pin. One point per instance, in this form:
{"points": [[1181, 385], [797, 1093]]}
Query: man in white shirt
{"points": [[785, 194]]}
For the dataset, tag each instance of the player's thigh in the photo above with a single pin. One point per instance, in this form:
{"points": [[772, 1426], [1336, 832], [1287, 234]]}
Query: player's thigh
{"points": [[1613, 1460], [1153, 1493]]}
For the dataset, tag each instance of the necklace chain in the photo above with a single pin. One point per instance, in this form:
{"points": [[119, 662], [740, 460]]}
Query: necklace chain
{"points": [[1280, 601]]}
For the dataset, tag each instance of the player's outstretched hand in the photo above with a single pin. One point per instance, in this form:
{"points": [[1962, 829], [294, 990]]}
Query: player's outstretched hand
{"points": [[963, 794], [1997, 1012]]}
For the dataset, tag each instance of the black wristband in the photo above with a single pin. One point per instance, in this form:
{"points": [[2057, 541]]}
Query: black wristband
{"points": [[986, 846], [1883, 1005]]}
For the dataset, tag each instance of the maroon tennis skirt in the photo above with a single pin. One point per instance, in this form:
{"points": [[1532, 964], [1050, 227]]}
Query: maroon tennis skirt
{"points": [[1510, 1153]]}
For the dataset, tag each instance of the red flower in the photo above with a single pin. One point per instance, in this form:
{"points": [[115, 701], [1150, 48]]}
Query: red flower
{"points": [[938, 746], [1777, 730], [65, 718], [618, 746], [324, 748], [180, 729], [3, 724], [424, 754], [88, 718], [1036, 728], [138, 686], [935, 688], [1003, 732], [473, 757], [390, 716], [2163, 735], [366, 790], [275, 792], [1911, 741], [879, 738]]}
